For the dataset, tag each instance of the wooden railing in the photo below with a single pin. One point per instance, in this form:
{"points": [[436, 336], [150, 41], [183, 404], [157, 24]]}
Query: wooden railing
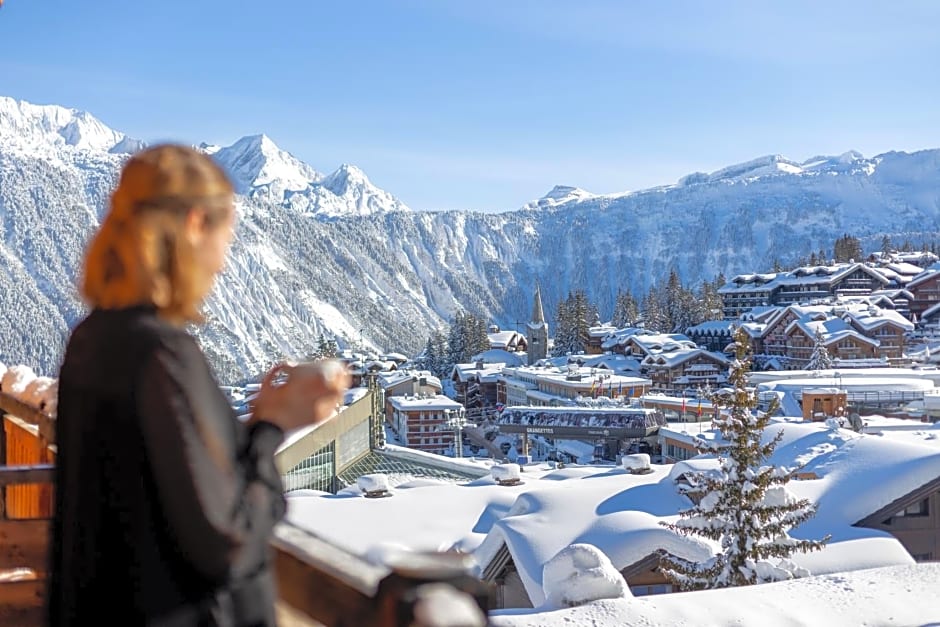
{"points": [[318, 583]]}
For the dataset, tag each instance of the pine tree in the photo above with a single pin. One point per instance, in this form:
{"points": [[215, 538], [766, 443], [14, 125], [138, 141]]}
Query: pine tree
{"points": [[626, 311], [744, 504], [709, 305], [847, 248], [820, 359], [457, 340], [654, 313], [886, 245], [573, 318]]}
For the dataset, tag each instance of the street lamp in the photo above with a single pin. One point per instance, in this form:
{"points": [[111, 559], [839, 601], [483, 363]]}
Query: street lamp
{"points": [[456, 420]]}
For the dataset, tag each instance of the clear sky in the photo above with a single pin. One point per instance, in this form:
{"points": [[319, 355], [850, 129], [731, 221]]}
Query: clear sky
{"points": [[486, 104]]}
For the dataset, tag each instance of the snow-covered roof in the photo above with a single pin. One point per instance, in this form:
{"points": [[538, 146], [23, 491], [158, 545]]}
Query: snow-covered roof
{"points": [[620, 512], [397, 377], [423, 402], [619, 337], [504, 339], [673, 359], [875, 317], [662, 342], [481, 370], [713, 326], [500, 356]]}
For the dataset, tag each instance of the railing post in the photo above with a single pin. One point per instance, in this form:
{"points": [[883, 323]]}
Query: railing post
{"points": [[419, 584]]}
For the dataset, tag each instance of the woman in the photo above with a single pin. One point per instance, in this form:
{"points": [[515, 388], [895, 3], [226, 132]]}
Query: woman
{"points": [[165, 502]]}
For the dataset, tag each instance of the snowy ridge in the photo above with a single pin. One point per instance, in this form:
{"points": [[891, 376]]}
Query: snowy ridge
{"points": [[53, 125]]}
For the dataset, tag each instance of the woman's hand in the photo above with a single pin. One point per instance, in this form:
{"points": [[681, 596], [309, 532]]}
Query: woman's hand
{"points": [[301, 395]]}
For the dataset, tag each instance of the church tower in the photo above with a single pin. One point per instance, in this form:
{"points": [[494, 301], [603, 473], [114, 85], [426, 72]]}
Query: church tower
{"points": [[538, 330]]}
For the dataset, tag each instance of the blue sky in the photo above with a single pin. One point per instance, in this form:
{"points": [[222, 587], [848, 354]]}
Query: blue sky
{"points": [[487, 104]]}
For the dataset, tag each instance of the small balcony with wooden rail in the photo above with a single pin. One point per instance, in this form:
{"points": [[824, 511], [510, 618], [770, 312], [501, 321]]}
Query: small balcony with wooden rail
{"points": [[318, 583]]}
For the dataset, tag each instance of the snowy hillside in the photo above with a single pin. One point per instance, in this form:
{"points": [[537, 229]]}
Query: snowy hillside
{"points": [[334, 254]]}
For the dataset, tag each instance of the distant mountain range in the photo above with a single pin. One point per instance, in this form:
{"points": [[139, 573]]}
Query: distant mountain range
{"points": [[333, 254]]}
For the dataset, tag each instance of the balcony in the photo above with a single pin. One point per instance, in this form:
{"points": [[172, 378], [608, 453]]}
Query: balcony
{"points": [[318, 583]]}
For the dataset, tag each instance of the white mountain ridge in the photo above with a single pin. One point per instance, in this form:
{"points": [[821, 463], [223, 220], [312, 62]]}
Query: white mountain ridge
{"points": [[335, 255]]}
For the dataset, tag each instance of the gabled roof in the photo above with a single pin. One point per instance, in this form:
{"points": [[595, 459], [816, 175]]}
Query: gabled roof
{"points": [[832, 330], [673, 359], [875, 317]]}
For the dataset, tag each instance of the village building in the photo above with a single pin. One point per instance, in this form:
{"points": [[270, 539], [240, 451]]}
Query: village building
{"points": [[421, 421]]}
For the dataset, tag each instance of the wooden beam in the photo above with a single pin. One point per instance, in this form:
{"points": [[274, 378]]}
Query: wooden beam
{"points": [[30, 414], [33, 473], [17, 596], [24, 544], [323, 581]]}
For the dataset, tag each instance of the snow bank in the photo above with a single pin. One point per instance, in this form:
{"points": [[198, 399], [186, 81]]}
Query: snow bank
{"points": [[579, 574], [15, 380], [42, 392]]}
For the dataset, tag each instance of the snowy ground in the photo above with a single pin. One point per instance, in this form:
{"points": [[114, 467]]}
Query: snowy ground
{"points": [[897, 595]]}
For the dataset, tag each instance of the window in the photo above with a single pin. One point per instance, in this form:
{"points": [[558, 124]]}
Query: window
{"points": [[659, 588], [920, 508]]}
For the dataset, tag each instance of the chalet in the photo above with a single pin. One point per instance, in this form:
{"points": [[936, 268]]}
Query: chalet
{"points": [[684, 369], [643, 345], [616, 340], [806, 285], [840, 339], [509, 341], [925, 292], [596, 337], [475, 387], [746, 291], [886, 326]]}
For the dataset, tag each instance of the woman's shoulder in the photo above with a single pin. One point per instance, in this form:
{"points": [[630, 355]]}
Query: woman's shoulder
{"points": [[137, 329]]}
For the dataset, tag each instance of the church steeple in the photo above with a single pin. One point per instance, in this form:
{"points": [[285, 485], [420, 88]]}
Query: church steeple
{"points": [[538, 316], [538, 330]]}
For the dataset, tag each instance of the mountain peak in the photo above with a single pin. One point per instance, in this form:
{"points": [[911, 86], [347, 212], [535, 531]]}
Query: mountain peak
{"points": [[345, 178], [256, 161], [561, 194], [33, 124]]}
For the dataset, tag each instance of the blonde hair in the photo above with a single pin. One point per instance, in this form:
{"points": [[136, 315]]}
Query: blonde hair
{"points": [[139, 255]]}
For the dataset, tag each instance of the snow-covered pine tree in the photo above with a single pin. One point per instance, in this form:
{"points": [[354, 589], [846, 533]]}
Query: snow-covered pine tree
{"points": [[478, 337], [820, 359], [744, 503], [565, 328], [626, 310], [654, 312]]}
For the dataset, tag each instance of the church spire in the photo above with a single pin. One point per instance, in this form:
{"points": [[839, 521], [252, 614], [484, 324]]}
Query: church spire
{"points": [[538, 316]]}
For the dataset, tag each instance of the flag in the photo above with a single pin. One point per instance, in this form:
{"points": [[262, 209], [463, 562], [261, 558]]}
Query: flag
{"points": [[593, 387], [683, 405], [699, 408], [600, 387]]}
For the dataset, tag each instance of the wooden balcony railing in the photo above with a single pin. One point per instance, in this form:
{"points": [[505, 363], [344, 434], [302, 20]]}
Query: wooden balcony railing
{"points": [[318, 583]]}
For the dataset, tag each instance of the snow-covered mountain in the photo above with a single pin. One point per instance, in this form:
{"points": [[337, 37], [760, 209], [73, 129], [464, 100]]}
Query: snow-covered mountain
{"points": [[334, 254]]}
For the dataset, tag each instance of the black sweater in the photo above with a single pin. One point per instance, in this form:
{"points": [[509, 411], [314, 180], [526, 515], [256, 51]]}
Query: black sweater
{"points": [[165, 502]]}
